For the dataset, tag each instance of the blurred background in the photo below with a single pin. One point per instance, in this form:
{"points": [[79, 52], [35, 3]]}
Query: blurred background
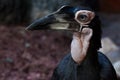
{"points": [[32, 55]]}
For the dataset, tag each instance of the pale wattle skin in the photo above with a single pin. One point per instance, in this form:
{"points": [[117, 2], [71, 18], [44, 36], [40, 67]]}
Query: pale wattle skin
{"points": [[80, 44]]}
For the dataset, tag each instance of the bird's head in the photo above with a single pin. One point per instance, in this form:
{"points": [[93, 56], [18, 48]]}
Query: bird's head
{"points": [[71, 19]]}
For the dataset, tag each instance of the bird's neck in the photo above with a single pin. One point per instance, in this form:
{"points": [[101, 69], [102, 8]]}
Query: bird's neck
{"points": [[81, 46]]}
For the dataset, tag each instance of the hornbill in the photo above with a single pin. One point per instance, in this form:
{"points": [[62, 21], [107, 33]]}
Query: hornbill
{"points": [[84, 62]]}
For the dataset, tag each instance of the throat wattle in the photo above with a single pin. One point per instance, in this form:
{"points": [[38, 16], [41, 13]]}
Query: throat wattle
{"points": [[80, 44]]}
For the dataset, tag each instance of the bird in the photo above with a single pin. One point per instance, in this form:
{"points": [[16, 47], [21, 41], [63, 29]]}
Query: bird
{"points": [[84, 62]]}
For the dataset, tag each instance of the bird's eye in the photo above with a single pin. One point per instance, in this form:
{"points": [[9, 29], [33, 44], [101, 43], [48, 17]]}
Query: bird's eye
{"points": [[83, 18]]}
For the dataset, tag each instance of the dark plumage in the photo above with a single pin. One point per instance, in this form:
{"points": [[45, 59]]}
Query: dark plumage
{"points": [[69, 70]]}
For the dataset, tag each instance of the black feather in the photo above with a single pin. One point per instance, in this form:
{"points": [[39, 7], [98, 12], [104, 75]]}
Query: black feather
{"points": [[69, 70]]}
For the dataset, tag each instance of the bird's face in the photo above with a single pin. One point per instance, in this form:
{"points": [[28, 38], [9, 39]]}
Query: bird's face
{"points": [[65, 18]]}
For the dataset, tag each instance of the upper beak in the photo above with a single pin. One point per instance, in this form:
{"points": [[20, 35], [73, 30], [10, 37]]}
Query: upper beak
{"points": [[55, 21]]}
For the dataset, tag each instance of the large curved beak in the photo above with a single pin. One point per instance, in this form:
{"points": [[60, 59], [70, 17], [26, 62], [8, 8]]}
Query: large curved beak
{"points": [[55, 21]]}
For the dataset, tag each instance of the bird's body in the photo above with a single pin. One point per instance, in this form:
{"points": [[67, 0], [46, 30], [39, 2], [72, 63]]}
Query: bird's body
{"points": [[84, 61], [67, 69]]}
